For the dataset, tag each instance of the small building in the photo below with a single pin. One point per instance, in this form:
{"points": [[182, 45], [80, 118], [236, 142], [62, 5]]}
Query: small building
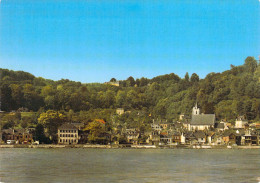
{"points": [[233, 138], [217, 140], [165, 124], [250, 138], [210, 136], [176, 137], [68, 134], [113, 83], [156, 125], [189, 137], [181, 117], [120, 111], [132, 136], [165, 138], [221, 126], [240, 122], [154, 138], [200, 136], [186, 125]]}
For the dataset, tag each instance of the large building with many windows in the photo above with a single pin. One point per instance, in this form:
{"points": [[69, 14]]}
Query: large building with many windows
{"points": [[68, 134]]}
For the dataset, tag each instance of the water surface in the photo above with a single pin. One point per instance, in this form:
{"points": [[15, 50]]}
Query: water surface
{"points": [[129, 165]]}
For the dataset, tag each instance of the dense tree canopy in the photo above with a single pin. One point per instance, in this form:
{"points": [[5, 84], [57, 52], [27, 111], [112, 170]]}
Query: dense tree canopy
{"points": [[228, 94]]}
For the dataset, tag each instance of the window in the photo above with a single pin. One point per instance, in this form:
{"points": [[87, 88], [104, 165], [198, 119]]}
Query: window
{"points": [[60, 140], [60, 131], [71, 135]]}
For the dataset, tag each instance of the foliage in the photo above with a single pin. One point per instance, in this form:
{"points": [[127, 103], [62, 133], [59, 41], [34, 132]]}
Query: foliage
{"points": [[228, 94], [51, 120], [96, 132]]}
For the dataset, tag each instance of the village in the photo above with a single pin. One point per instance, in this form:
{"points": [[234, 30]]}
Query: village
{"points": [[197, 130]]}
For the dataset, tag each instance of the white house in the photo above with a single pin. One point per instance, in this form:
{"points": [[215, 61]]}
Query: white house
{"points": [[240, 122]]}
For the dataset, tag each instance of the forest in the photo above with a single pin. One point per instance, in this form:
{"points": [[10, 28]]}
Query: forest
{"points": [[228, 94]]}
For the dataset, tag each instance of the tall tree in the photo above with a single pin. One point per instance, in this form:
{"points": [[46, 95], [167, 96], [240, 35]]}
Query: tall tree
{"points": [[51, 120], [194, 78]]}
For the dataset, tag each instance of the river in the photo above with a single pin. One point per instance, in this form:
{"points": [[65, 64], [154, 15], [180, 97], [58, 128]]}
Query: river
{"points": [[129, 165]]}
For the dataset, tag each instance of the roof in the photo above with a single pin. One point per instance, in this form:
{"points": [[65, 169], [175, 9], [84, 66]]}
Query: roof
{"points": [[199, 134], [178, 125], [176, 133], [203, 119], [15, 131], [8, 131], [220, 125], [68, 126], [210, 133]]}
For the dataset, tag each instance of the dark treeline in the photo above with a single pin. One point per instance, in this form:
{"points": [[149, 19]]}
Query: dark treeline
{"points": [[228, 94]]}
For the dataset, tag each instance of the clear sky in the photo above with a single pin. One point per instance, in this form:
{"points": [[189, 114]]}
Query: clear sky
{"points": [[95, 40]]}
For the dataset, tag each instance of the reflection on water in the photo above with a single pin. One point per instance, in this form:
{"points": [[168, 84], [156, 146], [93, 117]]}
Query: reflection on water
{"points": [[129, 165]]}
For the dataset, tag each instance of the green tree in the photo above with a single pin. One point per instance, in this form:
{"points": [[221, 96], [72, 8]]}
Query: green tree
{"points": [[130, 81], [51, 120], [40, 135], [6, 97], [194, 78], [96, 132], [112, 80], [187, 77], [250, 64]]}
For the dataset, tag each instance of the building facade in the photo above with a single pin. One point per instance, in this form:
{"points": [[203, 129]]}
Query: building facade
{"points": [[68, 134]]}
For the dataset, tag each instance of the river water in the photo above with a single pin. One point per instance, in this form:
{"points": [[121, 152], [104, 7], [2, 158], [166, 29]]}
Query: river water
{"points": [[129, 165]]}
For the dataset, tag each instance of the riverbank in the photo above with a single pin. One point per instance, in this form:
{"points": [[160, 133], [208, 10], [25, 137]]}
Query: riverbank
{"points": [[128, 146]]}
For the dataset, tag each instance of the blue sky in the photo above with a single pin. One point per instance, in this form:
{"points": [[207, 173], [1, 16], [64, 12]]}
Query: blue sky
{"points": [[94, 40]]}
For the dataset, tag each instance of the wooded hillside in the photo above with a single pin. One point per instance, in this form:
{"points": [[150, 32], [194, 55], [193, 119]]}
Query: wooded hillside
{"points": [[228, 94]]}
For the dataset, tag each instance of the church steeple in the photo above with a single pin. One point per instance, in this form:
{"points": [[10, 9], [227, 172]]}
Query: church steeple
{"points": [[196, 110]]}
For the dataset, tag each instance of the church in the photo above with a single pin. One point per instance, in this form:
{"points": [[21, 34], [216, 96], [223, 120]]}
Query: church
{"points": [[201, 121]]}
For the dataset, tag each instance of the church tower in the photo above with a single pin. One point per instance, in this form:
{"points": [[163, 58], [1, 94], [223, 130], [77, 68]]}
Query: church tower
{"points": [[195, 110]]}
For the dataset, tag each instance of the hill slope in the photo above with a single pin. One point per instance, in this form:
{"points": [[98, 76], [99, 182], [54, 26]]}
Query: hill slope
{"points": [[228, 94]]}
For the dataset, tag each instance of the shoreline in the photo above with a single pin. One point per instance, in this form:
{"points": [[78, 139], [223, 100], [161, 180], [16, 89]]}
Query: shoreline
{"points": [[124, 146]]}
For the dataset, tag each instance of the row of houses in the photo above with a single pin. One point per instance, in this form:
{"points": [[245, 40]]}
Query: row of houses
{"points": [[71, 134], [198, 129], [19, 136]]}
